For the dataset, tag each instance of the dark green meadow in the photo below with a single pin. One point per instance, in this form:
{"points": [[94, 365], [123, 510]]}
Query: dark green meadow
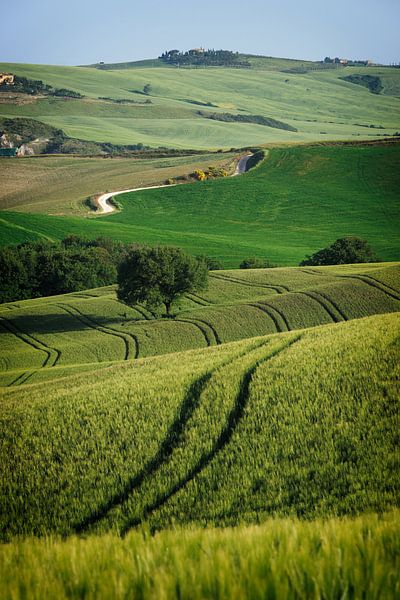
{"points": [[297, 201]]}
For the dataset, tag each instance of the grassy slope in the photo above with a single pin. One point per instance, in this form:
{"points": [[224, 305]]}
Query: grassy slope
{"points": [[298, 423], [318, 103], [298, 201], [52, 337], [287, 559], [60, 184]]}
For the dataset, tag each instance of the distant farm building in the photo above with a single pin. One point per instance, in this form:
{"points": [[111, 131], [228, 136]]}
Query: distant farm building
{"points": [[6, 79], [196, 51]]}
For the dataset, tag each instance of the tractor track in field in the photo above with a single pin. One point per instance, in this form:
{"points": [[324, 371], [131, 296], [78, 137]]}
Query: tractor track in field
{"points": [[22, 378], [198, 299], [140, 309], [375, 283], [127, 338], [335, 306], [233, 419], [311, 271], [326, 304], [52, 354], [279, 312], [279, 289], [171, 441], [385, 285], [211, 327], [273, 318], [201, 328]]}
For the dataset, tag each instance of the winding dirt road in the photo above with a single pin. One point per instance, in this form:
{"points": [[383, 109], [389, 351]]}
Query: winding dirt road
{"points": [[104, 205]]}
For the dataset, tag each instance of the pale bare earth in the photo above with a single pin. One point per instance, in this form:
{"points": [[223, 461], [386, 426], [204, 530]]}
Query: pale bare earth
{"points": [[105, 207]]}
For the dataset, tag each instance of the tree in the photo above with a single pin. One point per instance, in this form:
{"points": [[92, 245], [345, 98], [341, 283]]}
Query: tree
{"points": [[159, 275], [347, 250], [147, 89]]}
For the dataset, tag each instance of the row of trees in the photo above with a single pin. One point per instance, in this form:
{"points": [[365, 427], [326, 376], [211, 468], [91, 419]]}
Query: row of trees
{"points": [[201, 57], [147, 275], [45, 268]]}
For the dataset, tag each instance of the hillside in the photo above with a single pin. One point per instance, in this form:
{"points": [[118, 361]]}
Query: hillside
{"points": [[54, 337], [297, 423], [62, 184], [297, 201], [318, 103]]}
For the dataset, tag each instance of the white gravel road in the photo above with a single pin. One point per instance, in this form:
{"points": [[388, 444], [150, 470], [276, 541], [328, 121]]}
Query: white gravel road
{"points": [[105, 207]]}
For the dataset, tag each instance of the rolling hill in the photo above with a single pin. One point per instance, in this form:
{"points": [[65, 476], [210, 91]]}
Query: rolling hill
{"points": [[248, 445], [297, 201], [297, 423], [318, 103], [53, 337]]}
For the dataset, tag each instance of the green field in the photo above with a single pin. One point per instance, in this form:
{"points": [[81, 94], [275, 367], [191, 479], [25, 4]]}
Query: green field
{"points": [[297, 423], [299, 200], [339, 558], [247, 446], [318, 103], [61, 184]]}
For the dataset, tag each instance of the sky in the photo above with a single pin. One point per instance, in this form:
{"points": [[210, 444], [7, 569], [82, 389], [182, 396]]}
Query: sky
{"points": [[76, 32]]}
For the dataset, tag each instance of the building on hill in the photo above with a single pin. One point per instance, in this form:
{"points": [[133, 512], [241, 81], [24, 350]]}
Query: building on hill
{"points": [[6, 79], [196, 51]]}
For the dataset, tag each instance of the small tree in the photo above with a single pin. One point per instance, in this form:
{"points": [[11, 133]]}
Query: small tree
{"points": [[160, 275], [147, 89], [347, 250]]}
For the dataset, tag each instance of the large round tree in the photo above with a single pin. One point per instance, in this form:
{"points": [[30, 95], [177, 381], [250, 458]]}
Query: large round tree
{"points": [[161, 275]]}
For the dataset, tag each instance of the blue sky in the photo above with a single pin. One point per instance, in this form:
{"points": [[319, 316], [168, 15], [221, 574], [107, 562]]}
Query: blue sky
{"points": [[85, 31]]}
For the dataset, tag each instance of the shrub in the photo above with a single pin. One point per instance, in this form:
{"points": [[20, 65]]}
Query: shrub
{"points": [[347, 250]]}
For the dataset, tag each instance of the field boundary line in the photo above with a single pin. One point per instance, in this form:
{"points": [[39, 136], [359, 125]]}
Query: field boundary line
{"points": [[234, 417]]}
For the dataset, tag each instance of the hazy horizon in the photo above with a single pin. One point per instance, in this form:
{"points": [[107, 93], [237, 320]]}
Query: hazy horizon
{"points": [[76, 32]]}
